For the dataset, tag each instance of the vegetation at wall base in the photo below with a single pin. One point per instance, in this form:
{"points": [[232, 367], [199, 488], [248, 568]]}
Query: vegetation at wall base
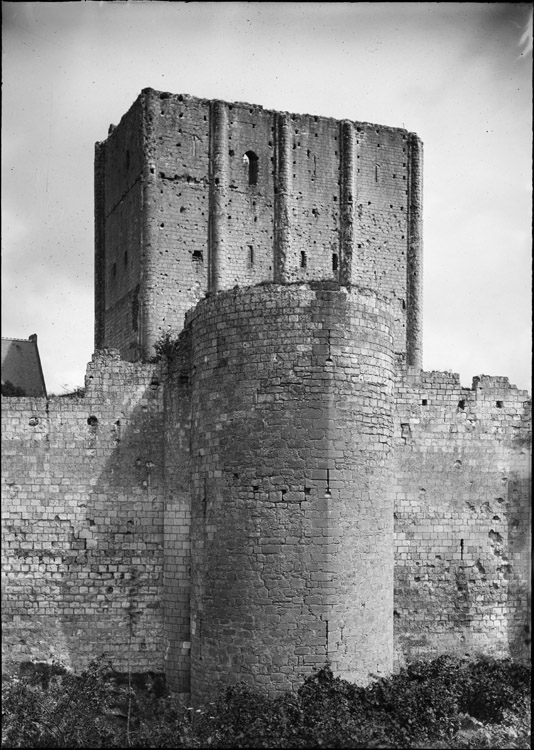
{"points": [[444, 703]]}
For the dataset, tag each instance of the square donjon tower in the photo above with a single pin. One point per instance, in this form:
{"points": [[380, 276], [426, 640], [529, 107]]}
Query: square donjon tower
{"points": [[195, 196]]}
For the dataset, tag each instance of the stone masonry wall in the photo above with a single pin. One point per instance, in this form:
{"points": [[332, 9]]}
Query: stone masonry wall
{"points": [[177, 532], [462, 517], [275, 414], [279, 492], [204, 195], [82, 522], [177, 209], [120, 179], [292, 505]]}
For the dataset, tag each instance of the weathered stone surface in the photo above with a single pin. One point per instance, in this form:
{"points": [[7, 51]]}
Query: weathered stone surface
{"points": [[82, 520], [194, 196], [462, 516], [292, 489], [289, 488]]}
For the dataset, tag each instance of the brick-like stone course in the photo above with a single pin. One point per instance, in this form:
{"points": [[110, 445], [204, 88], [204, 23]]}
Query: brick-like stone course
{"points": [[177, 517], [195, 195], [82, 521], [288, 488], [230, 514], [462, 517], [292, 502]]}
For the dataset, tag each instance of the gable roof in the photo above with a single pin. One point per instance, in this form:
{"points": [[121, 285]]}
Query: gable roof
{"points": [[21, 365]]}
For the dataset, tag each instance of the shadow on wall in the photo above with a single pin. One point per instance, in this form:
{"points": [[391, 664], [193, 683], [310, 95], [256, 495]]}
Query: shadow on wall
{"points": [[516, 567], [462, 522], [84, 528], [507, 531]]}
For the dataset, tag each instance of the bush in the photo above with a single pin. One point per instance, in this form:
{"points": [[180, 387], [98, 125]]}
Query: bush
{"points": [[55, 708], [439, 704], [166, 347], [489, 688]]}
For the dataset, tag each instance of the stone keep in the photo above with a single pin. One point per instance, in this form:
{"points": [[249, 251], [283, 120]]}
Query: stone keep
{"points": [[288, 488], [193, 196], [292, 546]]}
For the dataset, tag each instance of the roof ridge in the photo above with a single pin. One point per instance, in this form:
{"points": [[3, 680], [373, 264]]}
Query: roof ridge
{"points": [[8, 338]]}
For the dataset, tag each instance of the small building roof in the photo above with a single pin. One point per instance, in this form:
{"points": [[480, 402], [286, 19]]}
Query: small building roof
{"points": [[21, 365]]}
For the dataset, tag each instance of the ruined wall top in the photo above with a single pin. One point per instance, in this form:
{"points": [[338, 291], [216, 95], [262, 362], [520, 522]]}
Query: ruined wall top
{"points": [[195, 196]]}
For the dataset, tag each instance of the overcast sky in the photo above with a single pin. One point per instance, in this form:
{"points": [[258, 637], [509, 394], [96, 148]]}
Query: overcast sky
{"points": [[458, 74]]}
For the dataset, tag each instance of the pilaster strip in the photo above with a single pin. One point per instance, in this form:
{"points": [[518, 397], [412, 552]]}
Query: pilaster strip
{"points": [[282, 224], [218, 193], [414, 317], [346, 234]]}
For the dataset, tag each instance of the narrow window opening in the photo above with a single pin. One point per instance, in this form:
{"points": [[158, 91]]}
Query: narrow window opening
{"points": [[303, 259], [114, 270], [499, 404], [197, 255], [250, 161], [328, 482], [329, 358], [424, 402], [334, 261], [251, 255], [461, 404], [461, 549]]}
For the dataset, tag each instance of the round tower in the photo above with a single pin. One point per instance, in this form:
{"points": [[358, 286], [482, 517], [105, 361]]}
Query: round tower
{"points": [[292, 506]]}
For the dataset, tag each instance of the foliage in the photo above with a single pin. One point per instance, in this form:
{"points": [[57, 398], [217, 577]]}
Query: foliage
{"points": [[56, 708], [166, 347], [444, 703], [490, 688]]}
